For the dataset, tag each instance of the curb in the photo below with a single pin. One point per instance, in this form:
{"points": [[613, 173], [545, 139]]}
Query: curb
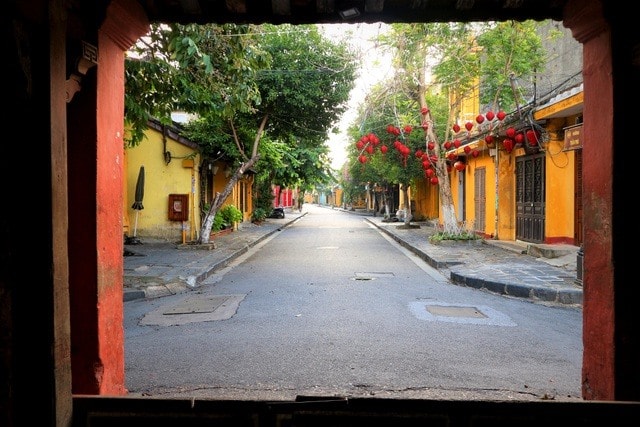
{"points": [[174, 288]]}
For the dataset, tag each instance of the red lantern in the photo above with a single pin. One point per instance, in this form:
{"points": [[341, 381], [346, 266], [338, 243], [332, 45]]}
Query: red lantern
{"points": [[383, 149], [475, 153], [429, 172], [457, 143], [424, 111], [408, 129], [431, 145], [532, 137], [425, 126], [369, 149], [452, 156], [362, 159], [456, 128], [419, 153], [519, 138], [434, 180], [447, 145], [467, 149], [489, 140], [501, 115], [360, 144], [508, 144], [459, 165], [511, 132], [468, 126], [490, 115], [479, 118]]}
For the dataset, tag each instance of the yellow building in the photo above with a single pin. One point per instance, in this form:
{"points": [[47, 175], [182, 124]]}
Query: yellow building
{"points": [[528, 192], [177, 185]]}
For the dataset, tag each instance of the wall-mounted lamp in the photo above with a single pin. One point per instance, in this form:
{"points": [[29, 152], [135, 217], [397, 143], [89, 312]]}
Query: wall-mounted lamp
{"points": [[213, 168], [227, 171]]}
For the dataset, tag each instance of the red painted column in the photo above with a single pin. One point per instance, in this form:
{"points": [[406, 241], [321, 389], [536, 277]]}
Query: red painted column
{"points": [[96, 129], [585, 19]]}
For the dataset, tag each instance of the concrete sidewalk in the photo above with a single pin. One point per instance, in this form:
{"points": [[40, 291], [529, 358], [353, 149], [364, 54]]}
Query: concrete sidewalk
{"points": [[541, 273]]}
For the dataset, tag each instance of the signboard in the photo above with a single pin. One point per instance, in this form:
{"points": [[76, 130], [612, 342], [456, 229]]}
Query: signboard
{"points": [[573, 138]]}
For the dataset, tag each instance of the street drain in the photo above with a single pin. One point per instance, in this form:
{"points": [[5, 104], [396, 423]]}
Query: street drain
{"points": [[197, 305], [454, 311]]}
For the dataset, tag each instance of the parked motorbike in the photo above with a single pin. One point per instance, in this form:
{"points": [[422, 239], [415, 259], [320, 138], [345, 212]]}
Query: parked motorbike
{"points": [[277, 213]]}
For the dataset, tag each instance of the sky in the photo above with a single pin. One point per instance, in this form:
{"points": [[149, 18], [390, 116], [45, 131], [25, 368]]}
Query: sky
{"points": [[375, 66]]}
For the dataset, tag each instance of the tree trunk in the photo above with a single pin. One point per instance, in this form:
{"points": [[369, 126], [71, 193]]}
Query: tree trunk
{"points": [[407, 204], [218, 201]]}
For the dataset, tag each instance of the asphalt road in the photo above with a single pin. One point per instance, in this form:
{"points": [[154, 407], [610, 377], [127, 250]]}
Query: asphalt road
{"points": [[329, 306]]}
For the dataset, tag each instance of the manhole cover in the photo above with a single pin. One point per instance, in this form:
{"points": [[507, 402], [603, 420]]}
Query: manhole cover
{"points": [[458, 313], [453, 311], [198, 305]]}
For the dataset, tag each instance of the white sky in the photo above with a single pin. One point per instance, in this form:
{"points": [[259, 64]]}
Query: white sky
{"points": [[375, 66]]}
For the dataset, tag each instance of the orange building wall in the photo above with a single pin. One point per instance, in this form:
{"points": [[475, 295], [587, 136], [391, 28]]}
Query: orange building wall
{"points": [[560, 193]]}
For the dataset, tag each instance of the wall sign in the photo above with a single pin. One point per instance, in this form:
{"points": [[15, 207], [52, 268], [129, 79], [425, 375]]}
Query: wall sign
{"points": [[573, 137]]}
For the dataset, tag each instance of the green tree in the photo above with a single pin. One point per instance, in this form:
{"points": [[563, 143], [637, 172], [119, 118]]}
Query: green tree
{"points": [[459, 55], [257, 90]]}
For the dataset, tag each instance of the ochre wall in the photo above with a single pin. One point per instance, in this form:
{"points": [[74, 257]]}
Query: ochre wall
{"points": [[162, 179]]}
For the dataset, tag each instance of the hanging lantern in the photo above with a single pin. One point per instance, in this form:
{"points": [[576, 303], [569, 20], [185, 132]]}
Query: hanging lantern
{"points": [[424, 111], [475, 153], [501, 115], [459, 165], [532, 137], [468, 126], [452, 156], [457, 143], [508, 144], [511, 132], [479, 118], [362, 159], [431, 145], [360, 144], [384, 149], [408, 129], [429, 172], [456, 128], [519, 138], [490, 116], [467, 149], [419, 153], [434, 180], [447, 145], [489, 140], [425, 126], [369, 149]]}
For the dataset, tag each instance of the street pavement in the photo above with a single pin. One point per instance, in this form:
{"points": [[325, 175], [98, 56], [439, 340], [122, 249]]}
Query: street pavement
{"points": [[544, 274]]}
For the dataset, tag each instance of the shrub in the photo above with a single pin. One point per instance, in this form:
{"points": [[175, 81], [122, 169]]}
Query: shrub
{"points": [[259, 215], [231, 214]]}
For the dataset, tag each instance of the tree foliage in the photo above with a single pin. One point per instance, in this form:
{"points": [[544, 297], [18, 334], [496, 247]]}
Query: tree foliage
{"points": [[266, 96], [458, 57]]}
